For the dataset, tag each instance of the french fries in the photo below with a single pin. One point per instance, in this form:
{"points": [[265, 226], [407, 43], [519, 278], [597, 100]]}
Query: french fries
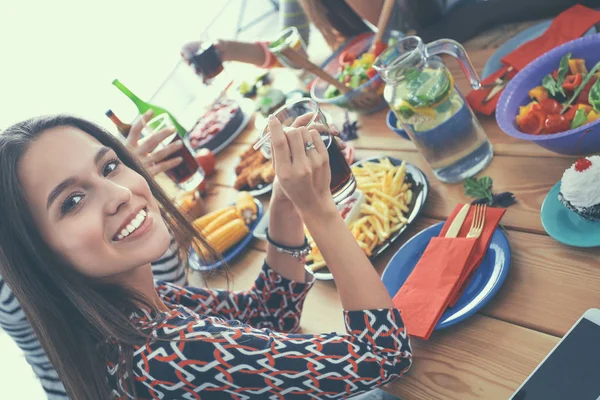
{"points": [[388, 196]]}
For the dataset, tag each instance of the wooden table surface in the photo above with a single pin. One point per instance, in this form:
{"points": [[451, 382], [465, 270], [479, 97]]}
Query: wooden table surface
{"points": [[548, 287]]}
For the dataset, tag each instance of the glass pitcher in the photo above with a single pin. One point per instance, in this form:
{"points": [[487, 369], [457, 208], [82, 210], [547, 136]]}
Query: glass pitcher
{"points": [[420, 91]]}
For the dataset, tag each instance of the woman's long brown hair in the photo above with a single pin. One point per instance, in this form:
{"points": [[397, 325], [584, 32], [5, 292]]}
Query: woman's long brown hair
{"points": [[78, 320]]}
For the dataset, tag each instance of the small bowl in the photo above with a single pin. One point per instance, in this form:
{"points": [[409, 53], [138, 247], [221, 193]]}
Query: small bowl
{"points": [[352, 101], [392, 123], [570, 142]]}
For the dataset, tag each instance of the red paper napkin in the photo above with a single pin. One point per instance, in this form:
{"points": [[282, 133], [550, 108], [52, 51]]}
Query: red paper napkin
{"points": [[492, 219], [568, 25], [426, 293]]}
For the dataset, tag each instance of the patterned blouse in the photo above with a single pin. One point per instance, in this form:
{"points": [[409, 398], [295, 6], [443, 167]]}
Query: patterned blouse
{"points": [[216, 344]]}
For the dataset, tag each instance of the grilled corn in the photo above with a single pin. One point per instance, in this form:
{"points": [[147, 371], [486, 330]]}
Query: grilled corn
{"points": [[220, 221], [246, 207], [203, 221], [225, 237]]}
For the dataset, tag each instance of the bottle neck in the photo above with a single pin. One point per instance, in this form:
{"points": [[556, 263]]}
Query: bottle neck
{"points": [[121, 126], [127, 92]]}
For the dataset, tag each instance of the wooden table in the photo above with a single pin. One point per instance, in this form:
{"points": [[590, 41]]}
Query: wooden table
{"points": [[548, 287]]}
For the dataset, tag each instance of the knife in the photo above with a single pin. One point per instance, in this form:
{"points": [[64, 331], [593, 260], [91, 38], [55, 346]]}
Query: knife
{"points": [[458, 221]]}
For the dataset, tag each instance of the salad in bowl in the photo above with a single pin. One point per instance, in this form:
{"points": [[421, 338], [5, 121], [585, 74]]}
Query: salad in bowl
{"points": [[566, 99]]}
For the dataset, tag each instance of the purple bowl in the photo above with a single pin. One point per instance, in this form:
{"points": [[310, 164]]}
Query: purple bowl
{"points": [[571, 142]]}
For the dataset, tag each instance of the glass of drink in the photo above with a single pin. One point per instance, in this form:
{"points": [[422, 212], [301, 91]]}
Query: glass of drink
{"points": [[288, 38], [188, 175], [205, 59], [342, 183]]}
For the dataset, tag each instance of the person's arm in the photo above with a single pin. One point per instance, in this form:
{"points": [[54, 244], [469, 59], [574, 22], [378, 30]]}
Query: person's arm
{"points": [[274, 301], [238, 360], [305, 177], [255, 53], [246, 52], [368, 10], [14, 322]]}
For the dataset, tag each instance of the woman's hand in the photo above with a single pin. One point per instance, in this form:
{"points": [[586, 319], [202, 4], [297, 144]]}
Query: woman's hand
{"points": [[144, 149], [304, 175]]}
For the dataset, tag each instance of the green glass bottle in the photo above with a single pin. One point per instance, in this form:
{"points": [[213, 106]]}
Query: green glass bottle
{"points": [[143, 106]]}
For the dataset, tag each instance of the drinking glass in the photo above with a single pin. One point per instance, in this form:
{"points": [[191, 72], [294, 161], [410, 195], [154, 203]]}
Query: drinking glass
{"points": [[206, 59], [288, 38], [188, 175], [342, 183]]}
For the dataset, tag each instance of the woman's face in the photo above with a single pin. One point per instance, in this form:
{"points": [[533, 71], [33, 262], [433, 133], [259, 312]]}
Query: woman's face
{"points": [[91, 208]]}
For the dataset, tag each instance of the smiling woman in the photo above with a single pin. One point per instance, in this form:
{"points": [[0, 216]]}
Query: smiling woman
{"points": [[70, 193], [81, 223]]}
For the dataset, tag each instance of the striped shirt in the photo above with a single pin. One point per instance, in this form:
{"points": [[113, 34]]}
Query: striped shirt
{"points": [[168, 268]]}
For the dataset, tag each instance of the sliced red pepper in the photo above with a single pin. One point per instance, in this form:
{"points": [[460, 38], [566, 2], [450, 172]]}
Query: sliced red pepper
{"points": [[556, 123], [532, 122], [346, 57], [371, 73], [347, 80], [572, 82], [378, 48], [550, 106], [585, 92], [570, 114]]}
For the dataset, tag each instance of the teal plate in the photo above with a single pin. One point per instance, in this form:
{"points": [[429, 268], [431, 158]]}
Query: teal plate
{"points": [[565, 225]]}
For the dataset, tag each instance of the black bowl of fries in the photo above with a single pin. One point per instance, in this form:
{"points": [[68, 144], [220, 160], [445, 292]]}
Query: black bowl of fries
{"points": [[395, 192]]}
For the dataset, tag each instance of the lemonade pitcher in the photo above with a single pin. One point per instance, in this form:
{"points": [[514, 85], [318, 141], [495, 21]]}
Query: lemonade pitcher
{"points": [[420, 91]]}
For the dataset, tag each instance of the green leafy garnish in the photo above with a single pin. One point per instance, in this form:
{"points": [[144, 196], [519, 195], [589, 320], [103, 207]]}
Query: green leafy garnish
{"points": [[550, 85], [594, 96], [355, 81], [580, 88], [479, 188], [563, 69], [579, 119]]}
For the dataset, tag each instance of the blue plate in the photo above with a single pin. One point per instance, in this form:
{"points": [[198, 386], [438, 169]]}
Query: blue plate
{"points": [[485, 283], [494, 63], [196, 263], [392, 123], [565, 225]]}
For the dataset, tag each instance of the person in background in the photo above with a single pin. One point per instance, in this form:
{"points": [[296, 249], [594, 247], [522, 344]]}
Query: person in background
{"points": [[336, 20], [86, 285], [168, 267]]}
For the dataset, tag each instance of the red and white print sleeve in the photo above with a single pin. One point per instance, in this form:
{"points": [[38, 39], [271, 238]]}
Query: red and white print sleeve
{"points": [[273, 302], [219, 359]]}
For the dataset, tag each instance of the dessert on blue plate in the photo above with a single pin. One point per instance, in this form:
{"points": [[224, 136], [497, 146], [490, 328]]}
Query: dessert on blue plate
{"points": [[580, 188]]}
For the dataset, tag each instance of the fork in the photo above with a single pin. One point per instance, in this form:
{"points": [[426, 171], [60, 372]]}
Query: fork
{"points": [[478, 222]]}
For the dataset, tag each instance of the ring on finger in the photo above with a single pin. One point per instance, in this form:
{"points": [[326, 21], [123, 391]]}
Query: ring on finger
{"points": [[309, 145]]}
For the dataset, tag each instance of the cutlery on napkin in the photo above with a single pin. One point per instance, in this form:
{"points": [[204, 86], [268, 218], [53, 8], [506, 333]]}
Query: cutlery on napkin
{"points": [[444, 268], [567, 26]]}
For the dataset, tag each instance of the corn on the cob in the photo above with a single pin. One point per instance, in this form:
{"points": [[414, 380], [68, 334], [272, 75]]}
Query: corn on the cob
{"points": [[220, 221], [203, 221], [246, 207], [227, 235]]}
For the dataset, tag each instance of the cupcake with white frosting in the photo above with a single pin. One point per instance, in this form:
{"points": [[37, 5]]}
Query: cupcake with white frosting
{"points": [[580, 188]]}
